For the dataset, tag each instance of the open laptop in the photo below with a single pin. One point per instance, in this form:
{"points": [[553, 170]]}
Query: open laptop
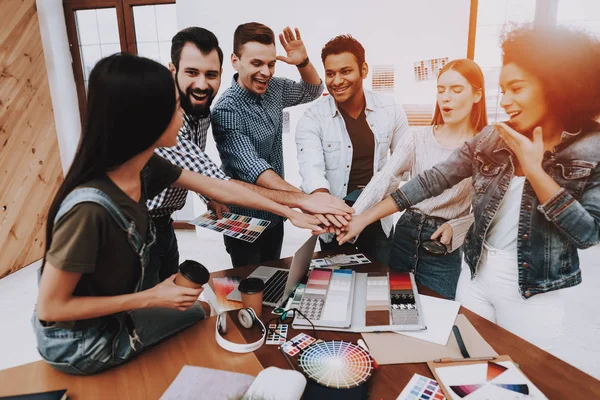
{"points": [[280, 283]]}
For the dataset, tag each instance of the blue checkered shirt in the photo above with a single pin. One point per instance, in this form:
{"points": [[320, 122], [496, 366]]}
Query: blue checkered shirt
{"points": [[188, 154], [248, 131]]}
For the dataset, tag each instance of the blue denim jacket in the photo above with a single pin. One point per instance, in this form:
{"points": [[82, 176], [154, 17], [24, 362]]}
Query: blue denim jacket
{"points": [[549, 234]]}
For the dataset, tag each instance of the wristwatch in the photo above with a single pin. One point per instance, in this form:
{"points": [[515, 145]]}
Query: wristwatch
{"points": [[303, 63]]}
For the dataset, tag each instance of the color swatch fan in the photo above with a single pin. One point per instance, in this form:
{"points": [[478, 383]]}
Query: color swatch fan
{"points": [[336, 364]]}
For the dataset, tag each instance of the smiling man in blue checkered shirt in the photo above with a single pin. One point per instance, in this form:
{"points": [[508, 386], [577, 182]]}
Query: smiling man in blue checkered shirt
{"points": [[247, 124], [196, 61]]}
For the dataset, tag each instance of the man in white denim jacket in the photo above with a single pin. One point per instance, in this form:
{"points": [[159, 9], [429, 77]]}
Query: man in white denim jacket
{"points": [[344, 138]]}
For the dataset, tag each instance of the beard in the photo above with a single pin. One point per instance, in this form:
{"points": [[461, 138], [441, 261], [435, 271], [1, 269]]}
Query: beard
{"points": [[198, 110]]}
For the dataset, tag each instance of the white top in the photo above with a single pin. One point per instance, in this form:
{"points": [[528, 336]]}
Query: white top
{"points": [[325, 149], [416, 152], [503, 231]]}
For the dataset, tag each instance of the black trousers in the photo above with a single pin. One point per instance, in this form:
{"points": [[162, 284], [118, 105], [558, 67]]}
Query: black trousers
{"points": [[372, 242], [266, 247]]}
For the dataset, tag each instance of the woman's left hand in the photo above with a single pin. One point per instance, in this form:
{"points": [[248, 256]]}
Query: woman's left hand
{"points": [[444, 233], [530, 153]]}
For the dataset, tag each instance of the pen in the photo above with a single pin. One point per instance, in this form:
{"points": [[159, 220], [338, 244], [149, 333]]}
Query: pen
{"points": [[448, 360], [362, 344], [460, 342]]}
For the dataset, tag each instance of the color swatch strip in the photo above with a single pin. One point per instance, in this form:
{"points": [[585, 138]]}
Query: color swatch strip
{"points": [[421, 388]]}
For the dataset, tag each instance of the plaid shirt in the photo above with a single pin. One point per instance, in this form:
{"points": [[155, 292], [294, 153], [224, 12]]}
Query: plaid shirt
{"points": [[189, 154], [248, 130]]}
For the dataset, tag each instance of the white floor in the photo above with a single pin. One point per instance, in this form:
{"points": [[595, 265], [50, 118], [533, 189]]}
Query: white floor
{"points": [[579, 346]]}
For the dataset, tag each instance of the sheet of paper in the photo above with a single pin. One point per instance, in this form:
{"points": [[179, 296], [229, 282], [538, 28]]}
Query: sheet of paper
{"points": [[391, 348], [501, 381], [439, 317], [197, 383]]}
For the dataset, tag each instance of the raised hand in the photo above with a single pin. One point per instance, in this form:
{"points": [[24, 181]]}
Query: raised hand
{"points": [[293, 46], [530, 153]]}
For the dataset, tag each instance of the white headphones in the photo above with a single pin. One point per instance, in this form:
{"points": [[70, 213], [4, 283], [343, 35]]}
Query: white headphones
{"points": [[248, 319]]}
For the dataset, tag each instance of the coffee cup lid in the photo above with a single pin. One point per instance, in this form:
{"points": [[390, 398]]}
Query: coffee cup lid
{"points": [[194, 271], [251, 285]]}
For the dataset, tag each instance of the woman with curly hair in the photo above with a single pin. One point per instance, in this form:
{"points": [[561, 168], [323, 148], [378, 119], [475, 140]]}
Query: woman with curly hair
{"points": [[536, 184]]}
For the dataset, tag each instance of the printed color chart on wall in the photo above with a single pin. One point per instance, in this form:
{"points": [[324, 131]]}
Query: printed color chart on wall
{"points": [[233, 225], [428, 69]]}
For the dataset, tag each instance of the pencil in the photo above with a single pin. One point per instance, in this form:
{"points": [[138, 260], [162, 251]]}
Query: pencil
{"points": [[449, 360]]}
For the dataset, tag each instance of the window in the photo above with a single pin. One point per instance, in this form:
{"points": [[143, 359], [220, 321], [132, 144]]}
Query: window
{"points": [[99, 28], [580, 14], [493, 16]]}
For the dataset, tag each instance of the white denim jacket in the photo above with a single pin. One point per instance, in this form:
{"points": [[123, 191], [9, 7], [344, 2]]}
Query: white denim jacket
{"points": [[325, 149]]}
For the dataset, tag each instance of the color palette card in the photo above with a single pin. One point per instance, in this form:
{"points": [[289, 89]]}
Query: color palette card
{"points": [[277, 334], [402, 297], [421, 388], [222, 287], [501, 380], [339, 260], [233, 225], [297, 343], [378, 300]]}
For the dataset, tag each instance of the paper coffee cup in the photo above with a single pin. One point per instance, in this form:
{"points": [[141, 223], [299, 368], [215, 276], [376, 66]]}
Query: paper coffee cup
{"points": [[252, 294], [192, 274]]}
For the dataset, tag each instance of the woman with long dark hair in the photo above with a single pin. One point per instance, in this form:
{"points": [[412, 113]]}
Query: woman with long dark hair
{"points": [[98, 303], [460, 113], [536, 184]]}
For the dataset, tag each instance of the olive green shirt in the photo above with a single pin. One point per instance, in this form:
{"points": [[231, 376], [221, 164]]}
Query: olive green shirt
{"points": [[89, 241]]}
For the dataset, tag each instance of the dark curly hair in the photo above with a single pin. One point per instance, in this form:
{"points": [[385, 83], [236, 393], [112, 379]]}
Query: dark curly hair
{"points": [[344, 44], [567, 62]]}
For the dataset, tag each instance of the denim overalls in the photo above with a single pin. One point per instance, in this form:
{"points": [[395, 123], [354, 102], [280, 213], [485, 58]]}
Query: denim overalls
{"points": [[92, 345]]}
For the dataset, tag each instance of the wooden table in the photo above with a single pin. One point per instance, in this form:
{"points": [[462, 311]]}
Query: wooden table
{"points": [[554, 377], [149, 375], [145, 377]]}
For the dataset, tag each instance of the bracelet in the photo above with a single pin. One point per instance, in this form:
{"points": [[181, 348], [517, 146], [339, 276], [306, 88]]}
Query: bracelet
{"points": [[303, 63]]}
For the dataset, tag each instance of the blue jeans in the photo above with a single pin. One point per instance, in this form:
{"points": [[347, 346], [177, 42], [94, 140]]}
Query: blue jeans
{"points": [[439, 273], [89, 346], [92, 346]]}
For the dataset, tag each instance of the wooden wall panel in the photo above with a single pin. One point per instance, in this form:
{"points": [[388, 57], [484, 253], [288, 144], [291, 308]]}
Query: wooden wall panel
{"points": [[30, 168]]}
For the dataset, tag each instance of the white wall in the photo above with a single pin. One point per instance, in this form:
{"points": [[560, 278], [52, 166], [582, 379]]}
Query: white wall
{"points": [[392, 32], [60, 78]]}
